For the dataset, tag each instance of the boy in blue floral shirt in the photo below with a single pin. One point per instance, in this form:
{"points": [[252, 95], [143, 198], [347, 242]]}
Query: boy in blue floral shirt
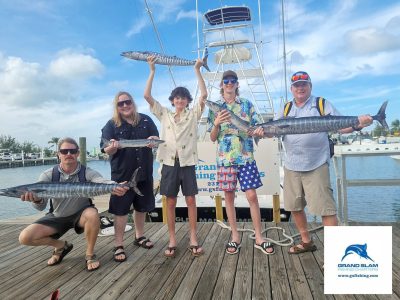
{"points": [[235, 159]]}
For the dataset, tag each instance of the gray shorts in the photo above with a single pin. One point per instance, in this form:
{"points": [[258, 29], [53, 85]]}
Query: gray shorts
{"points": [[63, 224], [311, 188], [174, 177]]}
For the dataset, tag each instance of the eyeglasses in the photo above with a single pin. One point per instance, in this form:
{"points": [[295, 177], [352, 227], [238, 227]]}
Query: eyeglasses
{"points": [[230, 80], [70, 151], [300, 77], [126, 102]]}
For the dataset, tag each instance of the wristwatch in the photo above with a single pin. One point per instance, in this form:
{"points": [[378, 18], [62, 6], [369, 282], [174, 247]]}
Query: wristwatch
{"points": [[356, 129]]}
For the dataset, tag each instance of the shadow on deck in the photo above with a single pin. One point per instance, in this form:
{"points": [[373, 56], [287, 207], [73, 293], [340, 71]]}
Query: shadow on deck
{"points": [[147, 274]]}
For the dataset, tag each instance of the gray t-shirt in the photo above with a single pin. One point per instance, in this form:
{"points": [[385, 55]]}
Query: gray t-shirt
{"points": [[306, 152], [68, 206]]}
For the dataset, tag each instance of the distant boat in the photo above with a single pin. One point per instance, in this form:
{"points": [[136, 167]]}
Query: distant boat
{"points": [[371, 147]]}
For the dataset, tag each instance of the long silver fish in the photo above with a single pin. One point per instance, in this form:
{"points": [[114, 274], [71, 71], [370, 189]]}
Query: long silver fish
{"points": [[133, 143], [164, 59], [234, 119], [316, 124], [69, 189]]}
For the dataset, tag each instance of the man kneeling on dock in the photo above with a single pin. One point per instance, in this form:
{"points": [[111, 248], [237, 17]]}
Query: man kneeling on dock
{"points": [[66, 213]]}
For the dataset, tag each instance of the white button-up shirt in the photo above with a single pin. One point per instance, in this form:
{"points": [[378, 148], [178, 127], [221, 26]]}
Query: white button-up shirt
{"points": [[180, 137]]}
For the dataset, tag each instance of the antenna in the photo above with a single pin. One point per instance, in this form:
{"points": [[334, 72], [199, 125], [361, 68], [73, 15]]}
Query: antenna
{"points": [[284, 51], [159, 39]]}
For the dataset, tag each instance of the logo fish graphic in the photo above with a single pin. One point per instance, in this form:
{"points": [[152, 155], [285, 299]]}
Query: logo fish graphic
{"points": [[361, 250]]}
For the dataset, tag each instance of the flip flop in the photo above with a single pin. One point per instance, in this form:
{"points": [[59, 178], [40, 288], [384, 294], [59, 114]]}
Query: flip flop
{"points": [[171, 250], [90, 259], [194, 249]]}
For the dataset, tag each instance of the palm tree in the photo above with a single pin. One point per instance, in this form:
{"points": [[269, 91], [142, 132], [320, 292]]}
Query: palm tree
{"points": [[54, 141], [395, 126]]}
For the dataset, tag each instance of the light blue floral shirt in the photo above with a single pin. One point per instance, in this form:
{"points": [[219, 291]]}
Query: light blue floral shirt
{"points": [[235, 147]]}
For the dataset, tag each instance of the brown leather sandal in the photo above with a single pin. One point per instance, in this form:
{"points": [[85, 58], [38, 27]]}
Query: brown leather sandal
{"points": [[306, 247]]}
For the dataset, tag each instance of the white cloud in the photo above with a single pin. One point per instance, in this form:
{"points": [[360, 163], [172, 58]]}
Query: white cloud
{"points": [[75, 66], [161, 11], [138, 26], [186, 15], [31, 84]]}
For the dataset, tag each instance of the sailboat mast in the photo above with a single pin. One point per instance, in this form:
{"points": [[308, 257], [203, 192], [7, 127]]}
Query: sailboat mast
{"points": [[284, 51], [159, 39]]}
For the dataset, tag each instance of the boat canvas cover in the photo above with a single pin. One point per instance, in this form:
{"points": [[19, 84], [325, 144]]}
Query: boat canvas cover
{"points": [[228, 15]]}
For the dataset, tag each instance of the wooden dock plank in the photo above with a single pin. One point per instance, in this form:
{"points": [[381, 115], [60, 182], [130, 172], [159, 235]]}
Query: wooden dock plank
{"points": [[225, 281], [147, 274], [208, 280], [189, 284], [261, 287]]}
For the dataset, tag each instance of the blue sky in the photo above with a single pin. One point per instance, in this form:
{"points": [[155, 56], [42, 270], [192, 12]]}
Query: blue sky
{"points": [[60, 63]]}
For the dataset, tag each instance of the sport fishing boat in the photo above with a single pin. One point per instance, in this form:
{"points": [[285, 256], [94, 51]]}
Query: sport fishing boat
{"points": [[229, 35]]}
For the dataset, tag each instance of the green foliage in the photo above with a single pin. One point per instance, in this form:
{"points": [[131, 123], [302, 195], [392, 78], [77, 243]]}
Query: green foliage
{"points": [[395, 127], [54, 140], [10, 144]]}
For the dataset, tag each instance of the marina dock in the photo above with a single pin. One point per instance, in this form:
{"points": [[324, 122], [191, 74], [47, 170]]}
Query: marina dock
{"points": [[147, 274]]}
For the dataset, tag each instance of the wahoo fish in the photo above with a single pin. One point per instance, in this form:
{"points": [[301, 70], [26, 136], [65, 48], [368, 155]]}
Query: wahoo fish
{"points": [[69, 189], [234, 119], [164, 59], [361, 250], [133, 143], [316, 124]]}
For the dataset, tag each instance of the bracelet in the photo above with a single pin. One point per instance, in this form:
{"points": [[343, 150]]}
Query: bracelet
{"points": [[356, 129]]}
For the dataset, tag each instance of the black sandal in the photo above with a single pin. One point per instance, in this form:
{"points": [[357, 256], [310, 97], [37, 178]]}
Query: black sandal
{"points": [[119, 250], [234, 245], [264, 246], [61, 253], [142, 242]]}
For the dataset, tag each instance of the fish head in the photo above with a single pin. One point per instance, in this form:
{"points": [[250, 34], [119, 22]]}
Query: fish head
{"points": [[131, 54], [12, 192], [215, 107]]}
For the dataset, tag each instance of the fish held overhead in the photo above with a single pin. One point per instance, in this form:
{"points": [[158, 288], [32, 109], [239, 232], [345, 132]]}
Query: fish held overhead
{"points": [[69, 189], [325, 123], [164, 59]]}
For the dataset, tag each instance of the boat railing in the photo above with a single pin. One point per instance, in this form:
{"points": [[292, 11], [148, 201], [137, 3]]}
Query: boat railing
{"points": [[343, 183]]}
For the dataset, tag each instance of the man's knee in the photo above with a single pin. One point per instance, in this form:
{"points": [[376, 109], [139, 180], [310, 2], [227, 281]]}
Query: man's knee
{"points": [[25, 237], [90, 215]]}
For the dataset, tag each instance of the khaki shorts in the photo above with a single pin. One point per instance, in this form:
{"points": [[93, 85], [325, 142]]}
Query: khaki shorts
{"points": [[315, 186]]}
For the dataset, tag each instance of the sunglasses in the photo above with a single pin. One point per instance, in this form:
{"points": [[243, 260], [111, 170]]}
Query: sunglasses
{"points": [[70, 151], [300, 77], [126, 102], [231, 80]]}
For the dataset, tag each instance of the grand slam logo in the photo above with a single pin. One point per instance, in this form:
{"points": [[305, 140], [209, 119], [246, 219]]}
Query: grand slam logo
{"points": [[357, 252]]}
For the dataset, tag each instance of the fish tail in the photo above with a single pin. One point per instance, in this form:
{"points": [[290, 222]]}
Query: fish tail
{"points": [[133, 184], [256, 140], [205, 65], [381, 116], [105, 142]]}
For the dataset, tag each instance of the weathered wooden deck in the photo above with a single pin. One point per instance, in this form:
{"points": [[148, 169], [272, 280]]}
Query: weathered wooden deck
{"points": [[147, 274]]}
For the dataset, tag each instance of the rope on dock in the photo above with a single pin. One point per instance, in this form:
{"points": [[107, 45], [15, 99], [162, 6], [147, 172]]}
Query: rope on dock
{"points": [[287, 242]]}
